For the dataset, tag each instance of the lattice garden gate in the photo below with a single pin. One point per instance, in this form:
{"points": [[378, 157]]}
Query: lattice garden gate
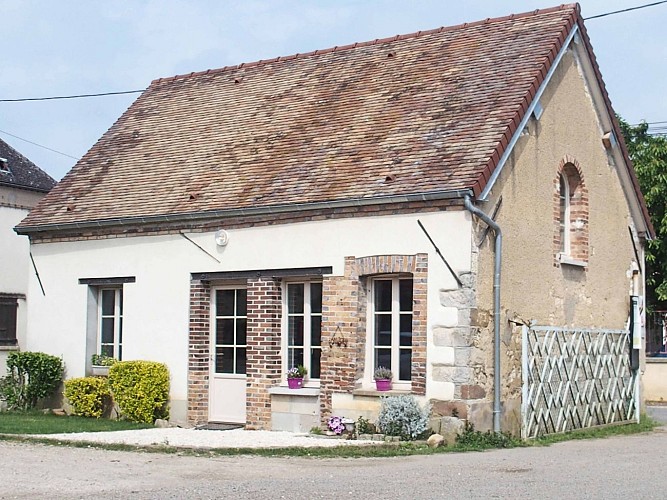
{"points": [[576, 378]]}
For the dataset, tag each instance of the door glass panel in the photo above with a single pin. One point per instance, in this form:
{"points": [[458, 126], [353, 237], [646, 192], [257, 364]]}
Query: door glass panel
{"points": [[405, 368], [241, 302], [316, 331], [383, 295], [294, 357], [225, 331], [241, 331], [107, 330], [108, 302], [241, 360], [107, 350], [315, 356], [406, 330], [295, 298], [224, 303], [295, 330], [224, 360], [316, 298]]}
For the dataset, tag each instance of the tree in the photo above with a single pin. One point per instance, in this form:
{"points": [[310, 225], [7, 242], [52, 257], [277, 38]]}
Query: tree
{"points": [[649, 155]]}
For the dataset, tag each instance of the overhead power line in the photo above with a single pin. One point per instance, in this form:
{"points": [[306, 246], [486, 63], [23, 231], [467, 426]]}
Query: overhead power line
{"points": [[38, 145], [625, 10], [101, 94]]}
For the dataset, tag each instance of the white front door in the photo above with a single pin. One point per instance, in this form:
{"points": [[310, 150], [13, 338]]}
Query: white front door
{"points": [[227, 381]]}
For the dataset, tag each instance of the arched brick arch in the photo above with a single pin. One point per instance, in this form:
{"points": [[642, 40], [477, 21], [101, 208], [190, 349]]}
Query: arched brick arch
{"points": [[576, 224]]}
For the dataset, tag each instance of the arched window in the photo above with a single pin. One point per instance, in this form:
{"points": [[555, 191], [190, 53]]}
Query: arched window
{"points": [[565, 220], [571, 196]]}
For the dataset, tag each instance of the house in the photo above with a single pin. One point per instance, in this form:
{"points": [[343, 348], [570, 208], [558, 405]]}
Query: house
{"points": [[22, 185], [236, 222]]}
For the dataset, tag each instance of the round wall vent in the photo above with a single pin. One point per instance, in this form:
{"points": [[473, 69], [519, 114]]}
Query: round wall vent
{"points": [[221, 237]]}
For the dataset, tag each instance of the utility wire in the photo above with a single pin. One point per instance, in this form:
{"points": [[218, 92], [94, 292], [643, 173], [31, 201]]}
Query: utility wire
{"points": [[38, 145], [74, 96], [625, 10]]}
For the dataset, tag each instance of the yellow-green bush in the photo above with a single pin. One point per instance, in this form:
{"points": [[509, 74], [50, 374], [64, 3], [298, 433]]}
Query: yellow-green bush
{"points": [[141, 389], [88, 396]]}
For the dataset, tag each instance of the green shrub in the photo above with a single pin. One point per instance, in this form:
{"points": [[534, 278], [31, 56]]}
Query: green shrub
{"points": [[31, 377], [402, 416], [141, 389], [89, 396], [470, 438]]}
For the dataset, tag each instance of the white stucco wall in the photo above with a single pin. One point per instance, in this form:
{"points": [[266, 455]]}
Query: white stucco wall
{"points": [[155, 324]]}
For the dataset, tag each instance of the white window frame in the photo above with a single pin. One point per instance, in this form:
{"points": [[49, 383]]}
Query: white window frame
{"points": [[368, 382], [213, 332], [117, 317], [307, 331]]}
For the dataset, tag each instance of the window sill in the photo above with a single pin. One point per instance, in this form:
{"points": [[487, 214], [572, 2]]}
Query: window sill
{"points": [[377, 394], [283, 390], [9, 347], [569, 261]]}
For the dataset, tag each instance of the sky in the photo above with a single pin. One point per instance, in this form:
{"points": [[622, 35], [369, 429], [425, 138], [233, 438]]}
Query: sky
{"points": [[81, 47]]}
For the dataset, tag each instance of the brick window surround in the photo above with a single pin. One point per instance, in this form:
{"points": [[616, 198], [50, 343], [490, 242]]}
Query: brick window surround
{"points": [[577, 224], [344, 322]]}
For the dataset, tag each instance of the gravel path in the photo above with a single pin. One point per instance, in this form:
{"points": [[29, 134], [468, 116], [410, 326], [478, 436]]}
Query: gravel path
{"points": [[193, 438]]}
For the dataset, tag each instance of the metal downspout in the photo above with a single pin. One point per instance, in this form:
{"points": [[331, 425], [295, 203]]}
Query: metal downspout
{"points": [[496, 307]]}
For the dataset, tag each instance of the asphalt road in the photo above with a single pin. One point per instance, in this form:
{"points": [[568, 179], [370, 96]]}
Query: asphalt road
{"points": [[620, 467]]}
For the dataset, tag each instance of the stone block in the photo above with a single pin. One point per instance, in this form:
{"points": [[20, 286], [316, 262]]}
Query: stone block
{"points": [[452, 337], [441, 355], [480, 415], [462, 356], [449, 409], [480, 317], [459, 298], [435, 441], [447, 428], [441, 390], [469, 391], [477, 357], [454, 374]]}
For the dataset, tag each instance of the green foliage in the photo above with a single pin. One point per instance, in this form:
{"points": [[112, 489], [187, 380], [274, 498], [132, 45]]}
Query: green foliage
{"points": [[649, 155], [470, 438], [89, 396], [365, 426], [102, 360], [141, 389], [31, 377], [37, 422], [402, 416], [382, 373]]}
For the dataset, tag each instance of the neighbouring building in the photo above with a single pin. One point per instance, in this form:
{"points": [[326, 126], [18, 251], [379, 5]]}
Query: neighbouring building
{"points": [[236, 222], [22, 185]]}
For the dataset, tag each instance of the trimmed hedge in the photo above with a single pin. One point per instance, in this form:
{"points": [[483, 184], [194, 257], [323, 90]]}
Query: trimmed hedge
{"points": [[141, 390], [31, 377], [89, 396]]}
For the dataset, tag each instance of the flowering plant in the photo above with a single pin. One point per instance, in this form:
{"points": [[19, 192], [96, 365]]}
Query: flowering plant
{"points": [[382, 373], [298, 371], [336, 425]]}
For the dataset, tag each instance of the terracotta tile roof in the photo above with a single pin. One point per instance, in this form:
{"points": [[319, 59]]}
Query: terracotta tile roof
{"points": [[419, 113], [20, 172]]}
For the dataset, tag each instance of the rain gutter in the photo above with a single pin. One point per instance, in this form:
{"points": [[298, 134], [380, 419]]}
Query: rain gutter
{"points": [[496, 307], [484, 196], [241, 212]]}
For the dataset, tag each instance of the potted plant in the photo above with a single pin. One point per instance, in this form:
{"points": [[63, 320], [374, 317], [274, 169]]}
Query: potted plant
{"points": [[295, 376], [101, 364], [383, 378]]}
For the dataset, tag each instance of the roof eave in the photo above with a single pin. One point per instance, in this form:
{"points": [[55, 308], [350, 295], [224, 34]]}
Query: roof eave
{"points": [[239, 212]]}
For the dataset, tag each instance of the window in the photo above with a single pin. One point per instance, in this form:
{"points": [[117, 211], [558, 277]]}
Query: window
{"points": [[391, 326], [565, 219], [231, 329], [110, 337], [303, 326], [8, 307]]}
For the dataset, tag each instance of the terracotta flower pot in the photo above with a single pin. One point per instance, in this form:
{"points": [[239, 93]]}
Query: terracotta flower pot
{"points": [[383, 384], [295, 383]]}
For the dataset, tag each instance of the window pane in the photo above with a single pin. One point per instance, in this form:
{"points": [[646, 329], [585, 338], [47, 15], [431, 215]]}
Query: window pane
{"points": [[240, 360], [224, 360], [383, 295], [405, 369], [295, 330], [107, 350], [241, 331], [120, 331], [295, 298], [107, 330], [405, 294], [316, 331], [224, 302], [108, 302], [383, 329], [241, 302], [294, 357], [224, 331], [315, 355], [406, 330], [120, 353], [383, 358], [316, 298]]}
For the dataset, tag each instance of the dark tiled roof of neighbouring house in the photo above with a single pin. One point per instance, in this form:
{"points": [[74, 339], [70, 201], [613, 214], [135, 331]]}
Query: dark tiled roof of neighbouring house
{"points": [[18, 171], [420, 113]]}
